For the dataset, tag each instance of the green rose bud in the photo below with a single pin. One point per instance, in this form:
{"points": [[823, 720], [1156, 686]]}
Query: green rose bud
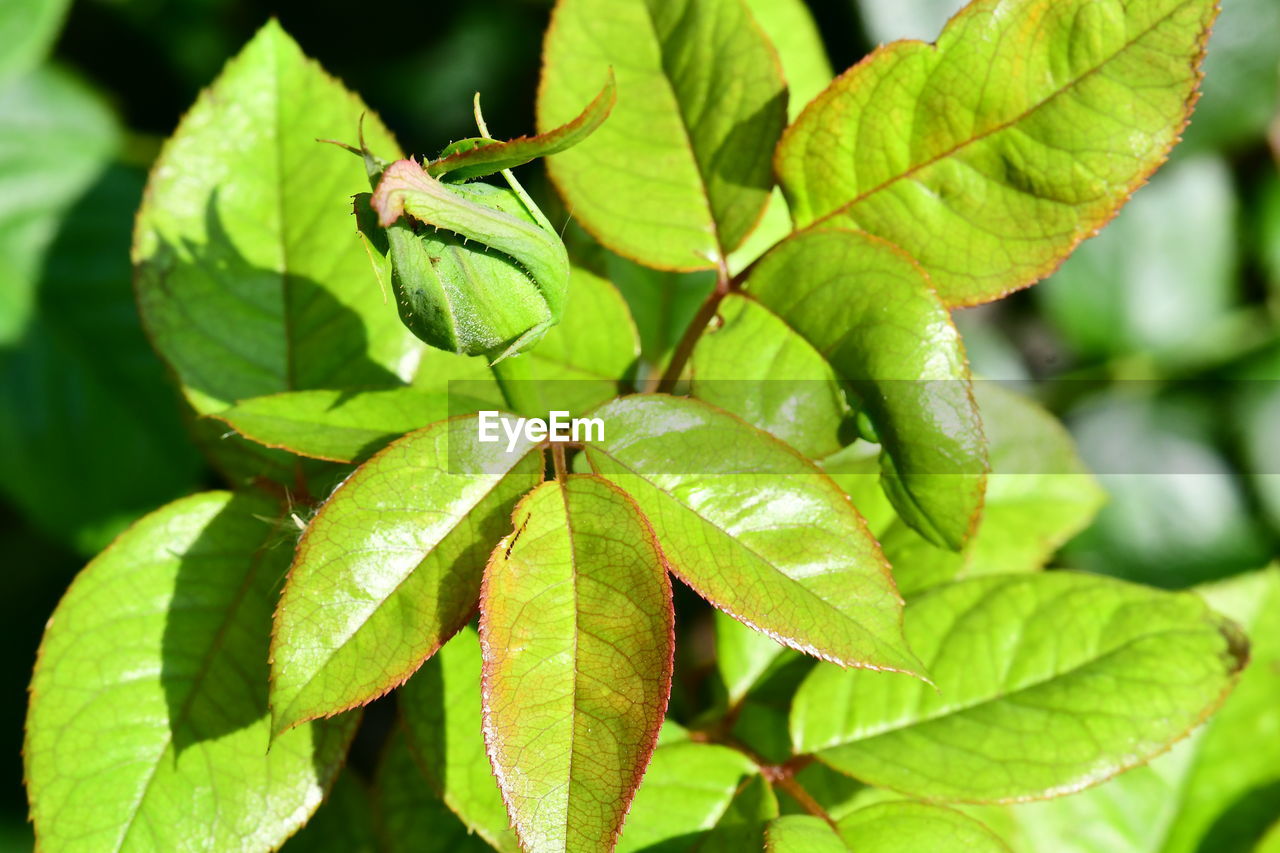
{"points": [[476, 268]]}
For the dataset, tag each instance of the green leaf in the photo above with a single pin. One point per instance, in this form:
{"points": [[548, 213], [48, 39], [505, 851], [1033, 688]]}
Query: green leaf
{"points": [[59, 136], [758, 368], [1039, 495], [584, 360], [391, 567], [251, 277], [341, 426], [662, 304], [743, 656], [904, 825], [742, 826], [486, 157], [791, 29], [1092, 96], [870, 312], [82, 396], [856, 470], [148, 724], [802, 834], [1161, 279], [577, 631], [680, 173], [27, 31], [687, 789], [1216, 791], [793, 559], [411, 818], [1046, 683], [441, 710], [343, 823]]}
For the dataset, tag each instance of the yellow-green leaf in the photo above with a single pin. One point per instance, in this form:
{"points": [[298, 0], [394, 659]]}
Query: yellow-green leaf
{"points": [[1028, 124], [148, 727], [755, 529], [391, 567], [868, 309], [680, 173], [576, 627], [1046, 683], [251, 278]]}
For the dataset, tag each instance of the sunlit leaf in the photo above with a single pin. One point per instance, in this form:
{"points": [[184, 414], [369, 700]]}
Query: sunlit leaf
{"points": [[870, 312], [391, 567], [680, 172], [1091, 97], [441, 709], [251, 276], [755, 528], [148, 724], [1046, 683], [576, 627], [904, 825]]}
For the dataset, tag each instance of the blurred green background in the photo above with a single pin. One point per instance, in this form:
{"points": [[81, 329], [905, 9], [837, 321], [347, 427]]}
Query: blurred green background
{"points": [[1168, 325]]}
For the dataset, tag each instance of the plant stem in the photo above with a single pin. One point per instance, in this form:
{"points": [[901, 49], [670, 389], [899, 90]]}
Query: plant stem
{"points": [[706, 312], [789, 784], [557, 457]]}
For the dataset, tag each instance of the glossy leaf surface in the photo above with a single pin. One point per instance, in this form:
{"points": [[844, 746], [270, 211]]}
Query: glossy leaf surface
{"points": [[341, 426], [250, 276], [680, 172], [793, 559], [802, 834], [576, 629], [1046, 683], [391, 567], [906, 146], [148, 724], [871, 313]]}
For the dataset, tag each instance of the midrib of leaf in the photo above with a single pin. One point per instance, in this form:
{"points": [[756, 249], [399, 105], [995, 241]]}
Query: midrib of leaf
{"points": [[688, 138], [942, 713], [1069, 86], [573, 726], [826, 605], [456, 519], [206, 662], [286, 280]]}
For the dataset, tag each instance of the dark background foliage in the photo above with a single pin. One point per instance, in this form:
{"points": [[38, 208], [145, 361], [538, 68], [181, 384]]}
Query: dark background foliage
{"points": [[1167, 330]]}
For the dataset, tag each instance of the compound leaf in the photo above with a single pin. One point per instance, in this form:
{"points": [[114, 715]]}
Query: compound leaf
{"points": [[576, 628], [1083, 101], [1046, 683], [148, 725], [391, 567]]}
